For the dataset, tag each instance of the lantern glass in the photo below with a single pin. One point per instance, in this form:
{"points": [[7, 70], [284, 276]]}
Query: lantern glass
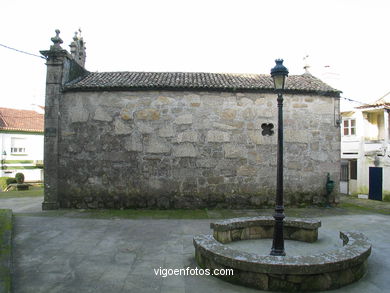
{"points": [[279, 81]]}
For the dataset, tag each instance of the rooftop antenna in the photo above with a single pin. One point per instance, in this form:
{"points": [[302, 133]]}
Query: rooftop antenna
{"points": [[306, 65]]}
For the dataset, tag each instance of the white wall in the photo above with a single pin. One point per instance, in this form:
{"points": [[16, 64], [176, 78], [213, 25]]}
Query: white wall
{"points": [[357, 147], [34, 152]]}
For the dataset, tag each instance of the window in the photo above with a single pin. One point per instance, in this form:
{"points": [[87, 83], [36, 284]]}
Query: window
{"points": [[18, 146], [353, 169], [349, 127]]}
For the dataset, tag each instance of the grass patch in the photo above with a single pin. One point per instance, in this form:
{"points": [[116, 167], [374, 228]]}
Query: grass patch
{"points": [[5, 250], [145, 214], [177, 214], [347, 206], [197, 214], [34, 191], [122, 214], [363, 208], [386, 196]]}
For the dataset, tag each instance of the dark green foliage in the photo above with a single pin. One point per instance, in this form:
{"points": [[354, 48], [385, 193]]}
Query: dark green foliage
{"points": [[19, 178], [22, 186], [5, 181]]}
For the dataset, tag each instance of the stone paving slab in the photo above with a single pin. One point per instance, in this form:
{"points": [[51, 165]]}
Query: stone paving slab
{"points": [[22, 204], [62, 254]]}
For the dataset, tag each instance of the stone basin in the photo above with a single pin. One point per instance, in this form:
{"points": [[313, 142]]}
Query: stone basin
{"points": [[226, 231], [321, 271]]}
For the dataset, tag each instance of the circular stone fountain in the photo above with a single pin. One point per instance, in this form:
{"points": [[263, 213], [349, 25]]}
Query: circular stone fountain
{"points": [[322, 271]]}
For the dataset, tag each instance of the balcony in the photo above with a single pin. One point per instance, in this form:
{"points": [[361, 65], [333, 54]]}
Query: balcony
{"points": [[352, 147]]}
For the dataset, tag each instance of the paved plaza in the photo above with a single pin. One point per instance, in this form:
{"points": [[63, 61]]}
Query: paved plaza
{"points": [[71, 254]]}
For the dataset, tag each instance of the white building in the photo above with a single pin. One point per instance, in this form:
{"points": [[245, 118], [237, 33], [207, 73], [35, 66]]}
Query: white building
{"points": [[21, 143], [365, 148]]}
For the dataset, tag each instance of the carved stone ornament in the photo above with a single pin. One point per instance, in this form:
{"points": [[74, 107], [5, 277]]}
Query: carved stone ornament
{"points": [[267, 129], [77, 48], [57, 41]]}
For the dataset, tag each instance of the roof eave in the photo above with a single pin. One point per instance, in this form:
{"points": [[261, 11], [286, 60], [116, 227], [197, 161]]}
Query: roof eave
{"points": [[10, 129], [335, 94], [373, 107]]}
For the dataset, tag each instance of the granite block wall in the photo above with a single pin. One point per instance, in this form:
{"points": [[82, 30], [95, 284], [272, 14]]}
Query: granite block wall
{"points": [[193, 149]]}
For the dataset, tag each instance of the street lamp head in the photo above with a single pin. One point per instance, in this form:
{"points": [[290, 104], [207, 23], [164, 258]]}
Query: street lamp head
{"points": [[279, 74]]}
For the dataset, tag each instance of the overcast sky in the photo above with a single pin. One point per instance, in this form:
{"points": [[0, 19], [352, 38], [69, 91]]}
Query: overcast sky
{"points": [[347, 40]]}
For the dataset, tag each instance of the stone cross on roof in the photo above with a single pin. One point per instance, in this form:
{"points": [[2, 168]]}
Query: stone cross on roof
{"points": [[77, 48]]}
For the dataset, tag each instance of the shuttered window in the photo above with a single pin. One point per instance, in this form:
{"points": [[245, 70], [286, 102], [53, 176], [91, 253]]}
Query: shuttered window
{"points": [[18, 145]]}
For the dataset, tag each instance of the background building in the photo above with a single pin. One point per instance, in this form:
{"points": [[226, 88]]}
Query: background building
{"points": [[21, 143], [365, 148]]}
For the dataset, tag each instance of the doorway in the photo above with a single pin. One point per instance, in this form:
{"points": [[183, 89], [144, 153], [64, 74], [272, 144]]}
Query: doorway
{"points": [[375, 183]]}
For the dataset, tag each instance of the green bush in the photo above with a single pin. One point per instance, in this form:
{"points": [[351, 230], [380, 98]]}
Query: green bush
{"points": [[5, 181], [19, 178]]}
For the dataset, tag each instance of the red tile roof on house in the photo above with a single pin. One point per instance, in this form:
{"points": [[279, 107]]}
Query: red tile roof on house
{"points": [[21, 120], [383, 102]]}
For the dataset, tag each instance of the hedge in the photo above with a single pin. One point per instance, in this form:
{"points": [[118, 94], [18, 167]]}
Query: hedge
{"points": [[5, 181]]}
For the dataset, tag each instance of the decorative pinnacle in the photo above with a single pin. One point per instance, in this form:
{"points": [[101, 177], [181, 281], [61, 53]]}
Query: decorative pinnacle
{"points": [[75, 38], [77, 48], [57, 41], [77, 35]]}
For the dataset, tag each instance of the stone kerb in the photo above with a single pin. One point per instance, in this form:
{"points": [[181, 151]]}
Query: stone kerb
{"points": [[262, 227], [324, 271]]}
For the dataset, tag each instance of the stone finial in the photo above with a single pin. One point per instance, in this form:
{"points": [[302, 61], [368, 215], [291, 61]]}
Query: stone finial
{"points": [[76, 37], [77, 48], [57, 41]]}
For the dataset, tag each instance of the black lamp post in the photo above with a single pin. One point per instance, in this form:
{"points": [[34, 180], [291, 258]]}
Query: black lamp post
{"points": [[279, 74]]}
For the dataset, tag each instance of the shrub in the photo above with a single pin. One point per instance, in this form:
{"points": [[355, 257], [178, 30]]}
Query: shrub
{"points": [[19, 178], [5, 181]]}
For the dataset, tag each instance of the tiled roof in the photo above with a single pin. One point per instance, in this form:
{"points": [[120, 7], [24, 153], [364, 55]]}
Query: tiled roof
{"points": [[377, 106], [383, 102], [195, 81], [21, 120]]}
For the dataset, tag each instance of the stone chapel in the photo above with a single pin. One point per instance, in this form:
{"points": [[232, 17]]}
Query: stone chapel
{"points": [[182, 139]]}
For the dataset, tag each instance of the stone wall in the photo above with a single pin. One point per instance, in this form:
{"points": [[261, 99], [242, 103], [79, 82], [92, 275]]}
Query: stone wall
{"points": [[187, 149]]}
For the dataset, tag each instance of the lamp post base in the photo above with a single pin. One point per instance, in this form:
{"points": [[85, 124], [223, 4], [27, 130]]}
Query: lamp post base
{"points": [[278, 238], [278, 252]]}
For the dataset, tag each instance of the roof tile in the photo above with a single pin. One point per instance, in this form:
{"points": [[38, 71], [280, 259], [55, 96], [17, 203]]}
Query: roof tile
{"points": [[21, 120], [195, 81]]}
